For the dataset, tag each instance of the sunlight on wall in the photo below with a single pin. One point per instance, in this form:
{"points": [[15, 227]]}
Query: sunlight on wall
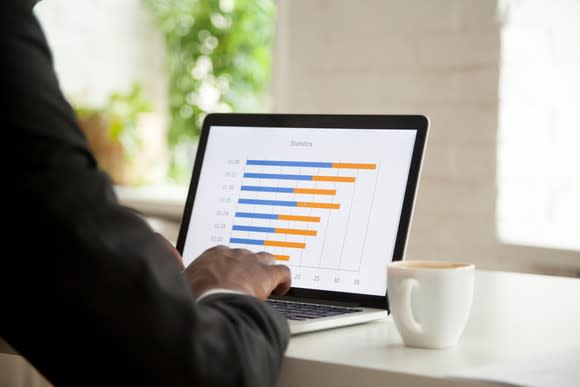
{"points": [[539, 128]]}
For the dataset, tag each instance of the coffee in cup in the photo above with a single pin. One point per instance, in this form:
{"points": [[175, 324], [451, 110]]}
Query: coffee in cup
{"points": [[430, 301]]}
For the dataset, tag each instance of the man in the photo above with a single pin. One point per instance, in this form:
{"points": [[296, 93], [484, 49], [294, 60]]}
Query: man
{"points": [[90, 295]]}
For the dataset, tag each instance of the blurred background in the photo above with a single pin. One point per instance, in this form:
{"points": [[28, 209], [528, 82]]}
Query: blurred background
{"points": [[499, 79]]}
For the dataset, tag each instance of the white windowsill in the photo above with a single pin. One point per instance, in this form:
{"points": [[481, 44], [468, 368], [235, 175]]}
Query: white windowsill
{"points": [[164, 201]]}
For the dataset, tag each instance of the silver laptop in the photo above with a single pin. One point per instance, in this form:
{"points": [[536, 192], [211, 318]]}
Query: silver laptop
{"points": [[331, 196]]}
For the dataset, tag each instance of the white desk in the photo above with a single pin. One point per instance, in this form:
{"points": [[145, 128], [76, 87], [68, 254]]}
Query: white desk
{"points": [[513, 316]]}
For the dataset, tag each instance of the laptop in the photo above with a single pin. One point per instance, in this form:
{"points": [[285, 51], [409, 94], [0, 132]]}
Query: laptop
{"points": [[330, 196]]}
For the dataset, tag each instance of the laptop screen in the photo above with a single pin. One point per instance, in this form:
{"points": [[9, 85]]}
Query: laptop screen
{"points": [[325, 201]]}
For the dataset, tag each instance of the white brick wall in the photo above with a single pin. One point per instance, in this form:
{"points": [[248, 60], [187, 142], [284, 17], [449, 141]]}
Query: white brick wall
{"points": [[440, 58]]}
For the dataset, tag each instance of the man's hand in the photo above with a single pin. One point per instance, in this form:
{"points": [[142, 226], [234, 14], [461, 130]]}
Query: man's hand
{"points": [[237, 269]]}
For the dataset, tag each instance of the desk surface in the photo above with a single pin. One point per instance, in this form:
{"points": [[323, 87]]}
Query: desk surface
{"points": [[513, 316]]}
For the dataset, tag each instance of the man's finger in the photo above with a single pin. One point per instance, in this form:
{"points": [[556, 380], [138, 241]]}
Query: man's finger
{"points": [[265, 258], [283, 279]]}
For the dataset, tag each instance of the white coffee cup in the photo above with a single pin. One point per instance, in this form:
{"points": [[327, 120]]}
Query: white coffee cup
{"points": [[430, 301]]}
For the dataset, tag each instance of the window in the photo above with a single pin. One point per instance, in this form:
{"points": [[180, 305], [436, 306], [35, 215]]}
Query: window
{"points": [[539, 125], [146, 72]]}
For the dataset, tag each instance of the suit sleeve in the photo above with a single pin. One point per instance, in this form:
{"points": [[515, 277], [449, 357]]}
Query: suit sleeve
{"points": [[90, 295]]}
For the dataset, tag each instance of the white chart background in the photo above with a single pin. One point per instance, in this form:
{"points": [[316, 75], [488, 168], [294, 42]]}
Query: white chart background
{"points": [[353, 244]]}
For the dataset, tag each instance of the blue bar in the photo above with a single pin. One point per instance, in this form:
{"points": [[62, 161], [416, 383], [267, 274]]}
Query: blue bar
{"points": [[269, 202], [276, 163], [253, 228], [247, 241], [267, 189], [255, 215], [277, 176]]}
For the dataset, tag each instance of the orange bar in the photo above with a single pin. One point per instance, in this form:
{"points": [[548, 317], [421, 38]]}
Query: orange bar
{"points": [[295, 231], [343, 179], [354, 166], [334, 206], [299, 218], [296, 245], [282, 257], [315, 191]]}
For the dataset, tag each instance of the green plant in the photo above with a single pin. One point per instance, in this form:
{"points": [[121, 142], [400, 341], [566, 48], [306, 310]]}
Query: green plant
{"points": [[117, 139], [121, 110], [218, 57]]}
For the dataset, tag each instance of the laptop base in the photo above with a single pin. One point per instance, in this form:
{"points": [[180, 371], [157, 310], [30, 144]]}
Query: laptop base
{"points": [[366, 315]]}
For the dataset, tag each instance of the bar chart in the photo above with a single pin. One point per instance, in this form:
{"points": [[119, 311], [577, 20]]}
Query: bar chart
{"points": [[296, 209]]}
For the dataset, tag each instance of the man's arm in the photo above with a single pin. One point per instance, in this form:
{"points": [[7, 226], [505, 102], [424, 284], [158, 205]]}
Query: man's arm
{"points": [[90, 294]]}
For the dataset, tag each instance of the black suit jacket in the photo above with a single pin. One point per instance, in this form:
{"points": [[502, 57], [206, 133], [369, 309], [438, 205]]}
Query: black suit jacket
{"points": [[89, 294]]}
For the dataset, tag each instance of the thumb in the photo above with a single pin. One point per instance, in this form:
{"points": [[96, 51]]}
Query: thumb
{"points": [[282, 278]]}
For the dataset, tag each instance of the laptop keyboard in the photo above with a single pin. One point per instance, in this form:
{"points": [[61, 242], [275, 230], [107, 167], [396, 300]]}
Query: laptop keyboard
{"points": [[302, 311]]}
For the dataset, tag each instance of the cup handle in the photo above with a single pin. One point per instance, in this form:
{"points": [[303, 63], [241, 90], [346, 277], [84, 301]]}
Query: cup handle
{"points": [[406, 315]]}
